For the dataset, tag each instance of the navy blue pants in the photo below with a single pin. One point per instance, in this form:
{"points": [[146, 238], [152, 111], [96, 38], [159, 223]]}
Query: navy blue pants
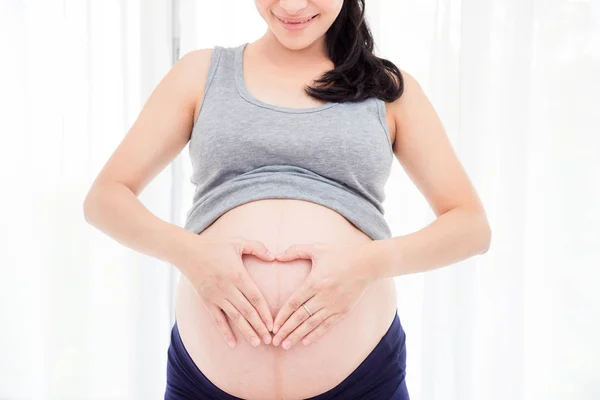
{"points": [[379, 377]]}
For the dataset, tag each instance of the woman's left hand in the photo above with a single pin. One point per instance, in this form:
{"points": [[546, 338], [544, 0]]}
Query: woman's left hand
{"points": [[339, 276]]}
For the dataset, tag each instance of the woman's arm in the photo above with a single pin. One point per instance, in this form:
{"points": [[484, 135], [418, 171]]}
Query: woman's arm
{"points": [[215, 269], [340, 273], [158, 135], [461, 229]]}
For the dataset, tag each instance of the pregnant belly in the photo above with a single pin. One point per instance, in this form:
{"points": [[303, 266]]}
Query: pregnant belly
{"points": [[269, 372]]}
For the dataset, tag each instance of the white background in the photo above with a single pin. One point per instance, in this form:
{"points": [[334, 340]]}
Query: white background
{"points": [[516, 83]]}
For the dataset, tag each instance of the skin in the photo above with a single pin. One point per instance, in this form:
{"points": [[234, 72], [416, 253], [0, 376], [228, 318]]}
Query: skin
{"points": [[461, 229], [297, 49], [425, 152], [334, 288]]}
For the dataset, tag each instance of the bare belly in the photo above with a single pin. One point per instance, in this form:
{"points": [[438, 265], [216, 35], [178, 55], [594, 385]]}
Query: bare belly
{"points": [[269, 372]]}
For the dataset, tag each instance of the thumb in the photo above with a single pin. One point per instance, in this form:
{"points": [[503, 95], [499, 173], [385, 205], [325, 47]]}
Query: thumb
{"points": [[296, 251], [257, 249]]}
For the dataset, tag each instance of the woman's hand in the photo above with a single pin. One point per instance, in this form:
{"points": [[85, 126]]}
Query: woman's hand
{"points": [[338, 279], [217, 273]]}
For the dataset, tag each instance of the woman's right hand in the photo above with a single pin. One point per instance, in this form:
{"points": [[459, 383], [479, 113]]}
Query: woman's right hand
{"points": [[217, 273]]}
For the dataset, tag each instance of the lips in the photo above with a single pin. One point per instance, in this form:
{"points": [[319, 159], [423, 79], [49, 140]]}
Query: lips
{"points": [[295, 21]]}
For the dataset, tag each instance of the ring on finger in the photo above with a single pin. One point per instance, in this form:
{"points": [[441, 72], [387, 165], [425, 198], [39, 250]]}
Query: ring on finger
{"points": [[310, 314]]}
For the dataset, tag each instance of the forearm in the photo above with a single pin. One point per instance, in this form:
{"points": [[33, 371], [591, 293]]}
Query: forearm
{"points": [[116, 210], [454, 236]]}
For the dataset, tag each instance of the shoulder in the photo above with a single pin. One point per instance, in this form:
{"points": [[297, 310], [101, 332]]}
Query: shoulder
{"points": [[199, 56], [188, 74], [396, 109], [412, 90], [411, 106], [192, 72], [194, 65]]}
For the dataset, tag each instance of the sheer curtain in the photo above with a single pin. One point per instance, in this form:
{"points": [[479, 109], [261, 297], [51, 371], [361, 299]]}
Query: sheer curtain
{"points": [[82, 316], [515, 83]]}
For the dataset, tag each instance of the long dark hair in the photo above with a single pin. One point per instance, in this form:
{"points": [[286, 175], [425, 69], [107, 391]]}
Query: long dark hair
{"points": [[358, 74]]}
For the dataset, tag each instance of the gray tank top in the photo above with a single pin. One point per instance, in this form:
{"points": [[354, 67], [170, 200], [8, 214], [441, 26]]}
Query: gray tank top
{"points": [[242, 149]]}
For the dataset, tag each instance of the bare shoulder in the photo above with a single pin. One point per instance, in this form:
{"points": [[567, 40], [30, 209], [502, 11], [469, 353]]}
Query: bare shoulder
{"points": [[411, 112], [412, 91], [163, 126], [193, 69], [410, 84], [196, 61], [392, 108], [424, 149]]}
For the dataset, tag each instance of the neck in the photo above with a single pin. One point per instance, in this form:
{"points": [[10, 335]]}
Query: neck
{"points": [[269, 47]]}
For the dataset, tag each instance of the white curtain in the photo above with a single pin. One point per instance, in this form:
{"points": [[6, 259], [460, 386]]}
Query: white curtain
{"points": [[82, 317], [515, 83]]}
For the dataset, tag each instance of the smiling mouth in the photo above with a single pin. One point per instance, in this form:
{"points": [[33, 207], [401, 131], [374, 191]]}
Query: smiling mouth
{"points": [[296, 23]]}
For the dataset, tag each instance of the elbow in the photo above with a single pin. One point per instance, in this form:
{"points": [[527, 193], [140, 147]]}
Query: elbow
{"points": [[91, 204], [99, 200], [484, 235], [479, 231], [88, 207]]}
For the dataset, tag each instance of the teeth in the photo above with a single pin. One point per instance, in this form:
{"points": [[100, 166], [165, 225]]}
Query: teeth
{"points": [[301, 22]]}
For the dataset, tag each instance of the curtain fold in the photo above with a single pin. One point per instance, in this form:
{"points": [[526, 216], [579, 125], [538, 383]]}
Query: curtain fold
{"points": [[82, 316], [515, 83]]}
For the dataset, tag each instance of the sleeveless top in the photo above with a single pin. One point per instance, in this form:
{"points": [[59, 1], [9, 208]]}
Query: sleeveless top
{"points": [[338, 155]]}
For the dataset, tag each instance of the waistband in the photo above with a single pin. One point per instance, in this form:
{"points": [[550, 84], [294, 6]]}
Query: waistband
{"points": [[379, 376], [184, 378]]}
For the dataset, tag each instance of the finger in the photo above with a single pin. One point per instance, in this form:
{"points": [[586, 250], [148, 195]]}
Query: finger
{"points": [[299, 297], [308, 325], [321, 329], [257, 300], [297, 318], [296, 251], [257, 249], [243, 303], [237, 317], [222, 324]]}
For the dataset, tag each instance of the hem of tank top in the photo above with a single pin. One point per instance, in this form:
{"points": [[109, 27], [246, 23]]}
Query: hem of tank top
{"points": [[193, 225], [381, 113], [192, 212], [245, 94], [215, 59]]}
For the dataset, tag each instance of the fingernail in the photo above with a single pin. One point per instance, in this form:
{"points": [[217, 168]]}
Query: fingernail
{"points": [[270, 326], [255, 341], [230, 343], [286, 344], [275, 328], [267, 339]]}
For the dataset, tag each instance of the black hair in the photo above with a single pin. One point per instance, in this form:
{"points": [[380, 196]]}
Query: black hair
{"points": [[358, 74]]}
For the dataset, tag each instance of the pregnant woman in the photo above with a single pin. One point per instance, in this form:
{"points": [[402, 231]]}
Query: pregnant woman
{"points": [[286, 260]]}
